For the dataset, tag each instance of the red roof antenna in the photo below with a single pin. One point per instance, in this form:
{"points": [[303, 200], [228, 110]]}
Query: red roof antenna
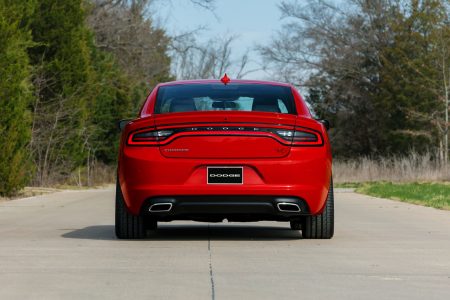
{"points": [[225, 79]]}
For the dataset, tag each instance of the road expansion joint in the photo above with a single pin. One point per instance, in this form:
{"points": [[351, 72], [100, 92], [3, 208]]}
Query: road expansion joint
{"points": [[211, 274]]}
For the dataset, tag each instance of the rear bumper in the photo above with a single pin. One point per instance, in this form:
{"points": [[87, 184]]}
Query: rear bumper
{"points": [[217, 208], [145, 175]]}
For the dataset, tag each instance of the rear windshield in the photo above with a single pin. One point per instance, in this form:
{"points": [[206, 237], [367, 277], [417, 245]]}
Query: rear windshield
{"points": [[232, 97]]}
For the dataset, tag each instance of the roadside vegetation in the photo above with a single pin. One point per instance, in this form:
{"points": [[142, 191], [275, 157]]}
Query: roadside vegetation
{"points": [[414, 178], [411, 167], [435, 195]]}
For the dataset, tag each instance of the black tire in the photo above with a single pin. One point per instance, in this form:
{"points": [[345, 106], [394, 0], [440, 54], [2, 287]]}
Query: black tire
{"points": [[150, 224], [321, 226], [128, 226], [296, 225]]}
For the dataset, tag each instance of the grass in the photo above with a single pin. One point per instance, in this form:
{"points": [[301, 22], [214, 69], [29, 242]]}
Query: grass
{"points": [[435, 195], [412, 167]]}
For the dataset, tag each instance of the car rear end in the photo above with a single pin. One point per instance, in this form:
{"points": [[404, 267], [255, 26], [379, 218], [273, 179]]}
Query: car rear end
{"points": [[205, 151]]}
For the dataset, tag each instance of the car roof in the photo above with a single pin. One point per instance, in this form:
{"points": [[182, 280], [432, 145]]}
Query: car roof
{"points": [[240, 81]]}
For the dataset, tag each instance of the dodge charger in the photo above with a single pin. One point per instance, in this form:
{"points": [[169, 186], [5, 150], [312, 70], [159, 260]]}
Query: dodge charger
{"points": [[210, 150]]}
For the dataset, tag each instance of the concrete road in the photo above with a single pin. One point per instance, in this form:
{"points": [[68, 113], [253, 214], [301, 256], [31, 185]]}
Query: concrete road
{"points": [[62, 246]]}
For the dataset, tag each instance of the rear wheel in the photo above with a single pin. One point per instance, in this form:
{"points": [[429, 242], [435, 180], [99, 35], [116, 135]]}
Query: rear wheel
{"points": [[128, 226], [296, 225], [150, 224], [321, 226]]}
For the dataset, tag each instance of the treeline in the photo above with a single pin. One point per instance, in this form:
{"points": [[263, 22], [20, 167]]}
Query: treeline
{"points": [[378, 69], [68, 71]]}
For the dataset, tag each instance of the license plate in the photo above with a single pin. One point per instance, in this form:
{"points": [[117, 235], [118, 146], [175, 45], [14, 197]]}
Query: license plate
{"points": [[225, 175]]}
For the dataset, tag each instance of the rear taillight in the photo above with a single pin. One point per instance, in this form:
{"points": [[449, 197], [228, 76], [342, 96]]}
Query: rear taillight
{"points": [[301, 137], [306, 137], [148, 137]]}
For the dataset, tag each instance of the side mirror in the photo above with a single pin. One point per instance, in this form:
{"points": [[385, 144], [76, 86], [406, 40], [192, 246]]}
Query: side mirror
{"points": [[325, 123], [122, 123]]}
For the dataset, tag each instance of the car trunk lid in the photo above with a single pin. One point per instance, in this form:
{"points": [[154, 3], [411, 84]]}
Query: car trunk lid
{"points": [[225, 134]]}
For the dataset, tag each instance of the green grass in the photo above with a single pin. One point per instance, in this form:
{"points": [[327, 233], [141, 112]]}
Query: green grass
{"points": [[435, 195]]}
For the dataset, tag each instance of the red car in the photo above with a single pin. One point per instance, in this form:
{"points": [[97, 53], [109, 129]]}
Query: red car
{"points": [[209, 150]]}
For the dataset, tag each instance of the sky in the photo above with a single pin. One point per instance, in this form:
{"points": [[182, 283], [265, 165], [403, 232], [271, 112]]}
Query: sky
{"points": [[252, 21]]}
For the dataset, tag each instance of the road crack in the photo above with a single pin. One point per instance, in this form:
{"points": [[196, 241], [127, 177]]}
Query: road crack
{"points": [[211, 274]]}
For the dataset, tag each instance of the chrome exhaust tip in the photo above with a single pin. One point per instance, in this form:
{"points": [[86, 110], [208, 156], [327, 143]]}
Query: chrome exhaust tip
{"points": [[160, 207], [288, 207]]}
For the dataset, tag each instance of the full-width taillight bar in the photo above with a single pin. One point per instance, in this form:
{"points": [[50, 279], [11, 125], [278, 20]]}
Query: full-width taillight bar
{"points": [[298, 137]]}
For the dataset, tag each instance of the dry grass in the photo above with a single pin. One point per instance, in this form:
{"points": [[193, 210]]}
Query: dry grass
{"points": [[30, 192], [99, 175], [410, 168]]}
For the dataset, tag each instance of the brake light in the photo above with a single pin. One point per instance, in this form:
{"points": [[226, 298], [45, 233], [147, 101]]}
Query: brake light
{"points": [[306, 137], [148, 137]]}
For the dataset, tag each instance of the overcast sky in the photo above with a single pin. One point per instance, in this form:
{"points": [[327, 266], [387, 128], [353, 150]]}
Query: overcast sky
{"points": [[253, 21]]}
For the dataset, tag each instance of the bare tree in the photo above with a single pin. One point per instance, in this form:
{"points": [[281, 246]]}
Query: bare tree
{"points": [[126, 29], [121, 28], [320, 35], [51, 130], [143, 4], [193, 60]]}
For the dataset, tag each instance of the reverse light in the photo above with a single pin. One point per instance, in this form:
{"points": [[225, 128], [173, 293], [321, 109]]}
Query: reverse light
{"points": [[285, 134]]}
